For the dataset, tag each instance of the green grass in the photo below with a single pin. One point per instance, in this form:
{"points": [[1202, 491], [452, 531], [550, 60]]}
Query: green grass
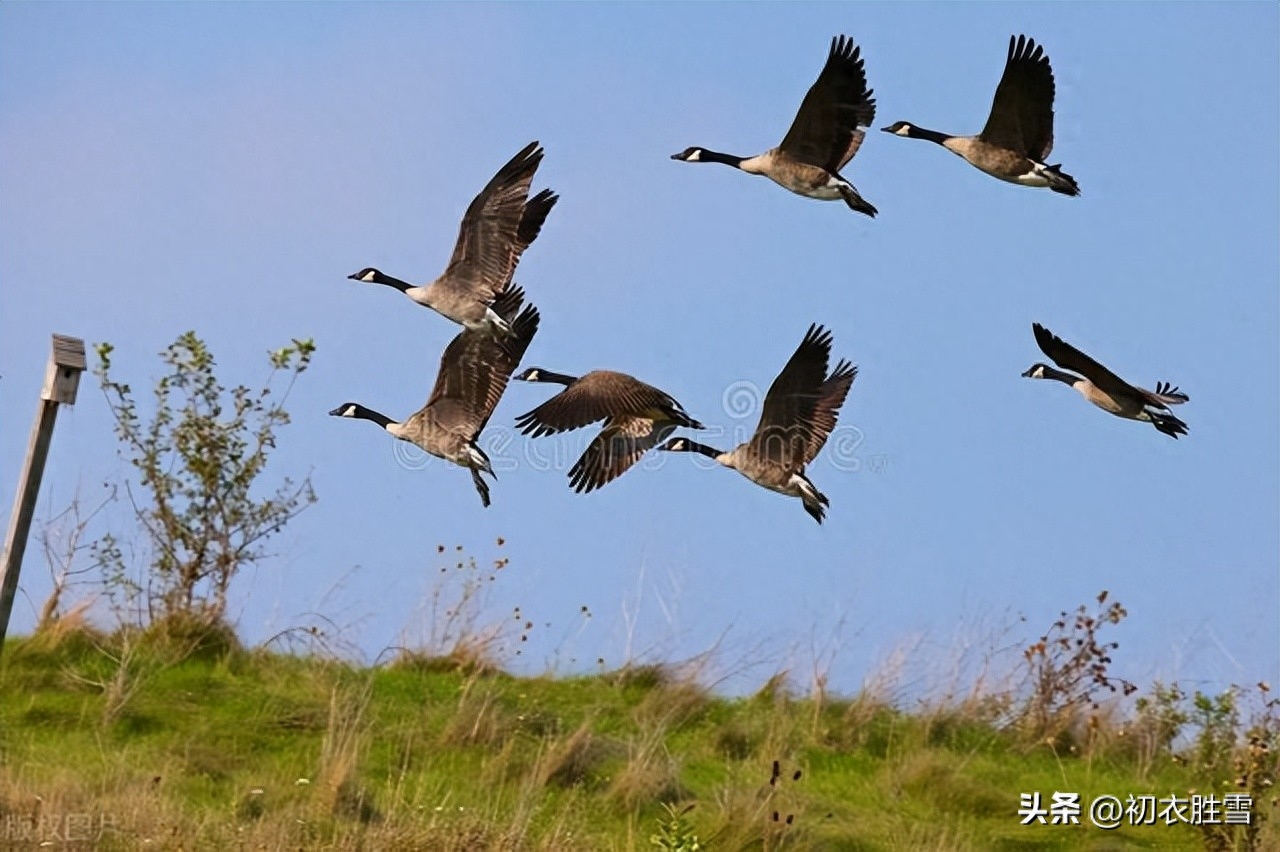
{"points": [[229, 748]]}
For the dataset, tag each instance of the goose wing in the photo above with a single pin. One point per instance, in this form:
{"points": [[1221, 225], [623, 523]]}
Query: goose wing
{"points": [[620, 444], [498, 226], [827, 409], [826, 131], [1022, 113], [1068, 357], [531, 219], [599, 395], [476, 368], [786, 427]]}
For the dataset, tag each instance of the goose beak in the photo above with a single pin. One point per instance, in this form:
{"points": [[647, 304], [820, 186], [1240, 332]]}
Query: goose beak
{"points": [[337, 412], [354, 277], [679, 156], [1028, 373]]}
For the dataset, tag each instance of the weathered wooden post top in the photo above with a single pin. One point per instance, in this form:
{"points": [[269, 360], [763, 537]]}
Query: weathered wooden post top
{"points": [[62, 377], [61, 381]]}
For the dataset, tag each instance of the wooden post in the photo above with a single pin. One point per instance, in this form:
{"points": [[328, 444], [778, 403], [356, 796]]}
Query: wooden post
{"points": [[61, 380]]}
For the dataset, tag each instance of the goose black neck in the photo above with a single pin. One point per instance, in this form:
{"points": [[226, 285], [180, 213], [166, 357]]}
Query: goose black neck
{"points": [[703, 449], [392, 282], [1065, 378], [362, 413], [931, 135], [557, 378], [717, 157]]}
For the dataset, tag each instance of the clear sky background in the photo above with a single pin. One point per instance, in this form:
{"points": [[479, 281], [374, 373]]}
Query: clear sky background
{"points": [[223, 167]]}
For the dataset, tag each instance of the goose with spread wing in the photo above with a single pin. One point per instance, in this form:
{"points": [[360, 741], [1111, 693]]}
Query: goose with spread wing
{"points": [[826, 133], [1104, 388], [500, 223], [474, 372], [637, 417], [1016, 141], [799, 414]]}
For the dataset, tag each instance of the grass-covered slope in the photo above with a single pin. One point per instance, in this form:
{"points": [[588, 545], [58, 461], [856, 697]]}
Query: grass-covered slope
{"points": [[119, 744]]}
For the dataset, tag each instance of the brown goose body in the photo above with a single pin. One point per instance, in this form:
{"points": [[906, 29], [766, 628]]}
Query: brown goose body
{"points": [[500, 223], [1104, 388], [800, 177], [474, 371], [827, 131], [799, 413], [637, 417], [1018, 136]]}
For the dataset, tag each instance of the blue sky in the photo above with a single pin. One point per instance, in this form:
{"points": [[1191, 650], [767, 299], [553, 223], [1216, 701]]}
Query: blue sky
{"points": [[223, 167]]}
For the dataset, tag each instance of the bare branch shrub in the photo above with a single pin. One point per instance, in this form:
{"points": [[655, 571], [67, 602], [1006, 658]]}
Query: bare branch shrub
{"points": [[62, 537], [1068, 673], [199, 457]]}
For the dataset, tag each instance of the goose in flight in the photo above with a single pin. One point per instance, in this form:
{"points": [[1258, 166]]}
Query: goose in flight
{"points": [[1104, 388], [474, 372], [1015, 143], [499, 225], [637, 417], [799, 414], [826, 133]]}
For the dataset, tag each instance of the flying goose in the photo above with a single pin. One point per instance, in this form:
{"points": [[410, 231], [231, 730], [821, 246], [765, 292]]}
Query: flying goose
{"points": [[474, 371], [799, 413], [825, 135], [637, 417], [1018, 136], [496, 229], [1104, 388]]}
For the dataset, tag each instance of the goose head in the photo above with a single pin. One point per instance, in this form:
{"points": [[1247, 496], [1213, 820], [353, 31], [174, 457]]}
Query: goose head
{"points": [[1036, 371], [368, 275], [358, 412], [900, 128], [690, 155], [541, 374]]}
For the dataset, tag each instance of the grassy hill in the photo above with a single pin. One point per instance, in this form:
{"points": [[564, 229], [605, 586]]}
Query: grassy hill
{"points": [[122, 742]]}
